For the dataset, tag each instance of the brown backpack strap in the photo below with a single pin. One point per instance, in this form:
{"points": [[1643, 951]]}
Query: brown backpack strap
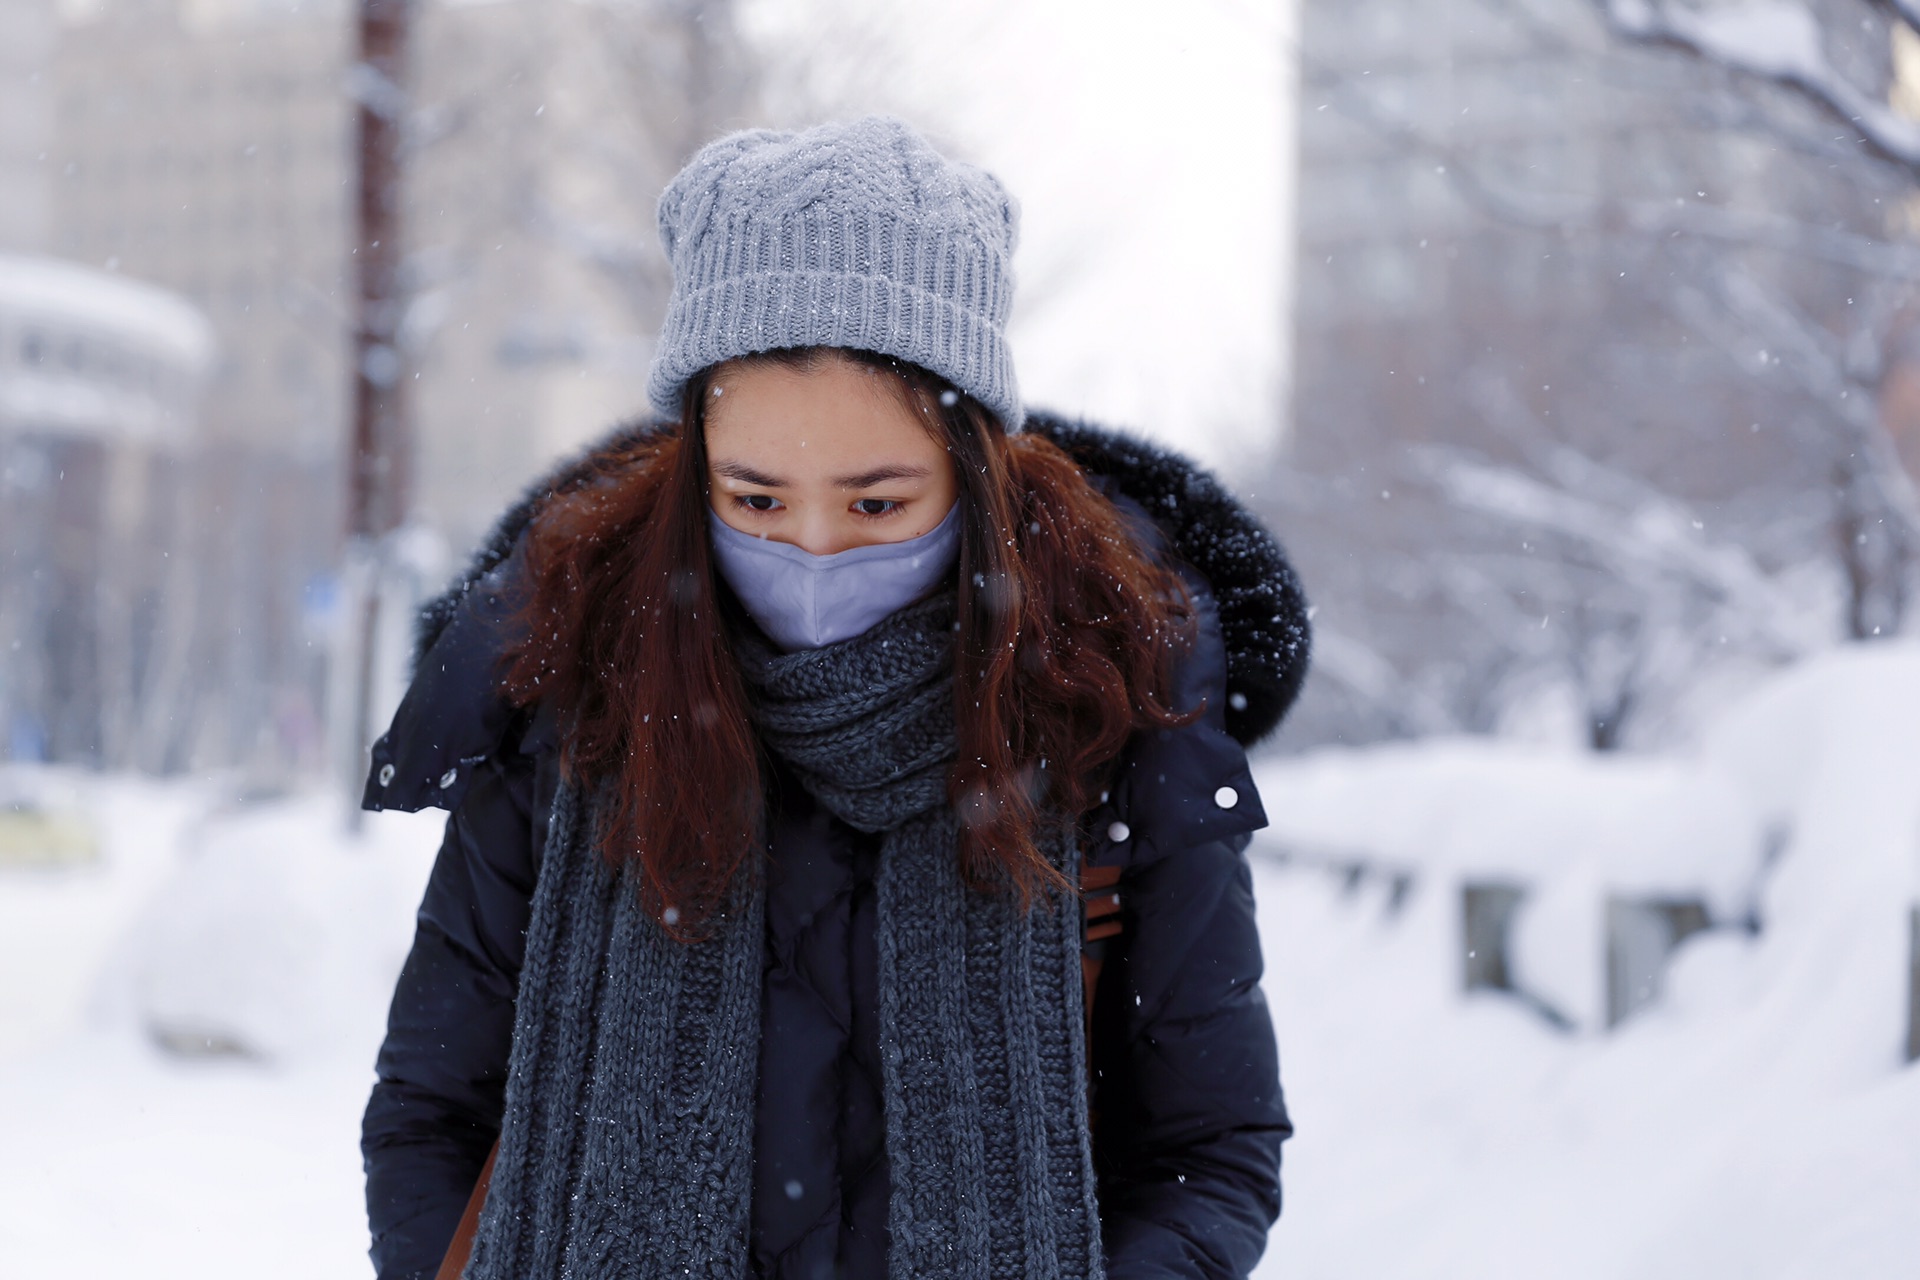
{"points": [[1099, 921], [462, 1246]]}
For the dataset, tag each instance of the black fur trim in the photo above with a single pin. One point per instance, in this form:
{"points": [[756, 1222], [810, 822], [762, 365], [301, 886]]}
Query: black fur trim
{"points": [[436, 613], [1263, 610]]}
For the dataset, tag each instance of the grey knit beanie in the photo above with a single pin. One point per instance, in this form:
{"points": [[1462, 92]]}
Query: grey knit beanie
{"points": [[854, 235]]}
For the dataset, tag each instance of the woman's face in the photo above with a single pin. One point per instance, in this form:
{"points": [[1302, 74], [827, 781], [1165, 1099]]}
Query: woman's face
{"points": [[827, 459]]}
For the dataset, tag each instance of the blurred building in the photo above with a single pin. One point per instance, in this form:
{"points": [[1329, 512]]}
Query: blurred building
{"points": [[208, 146], [207, 150], [99, 382], [26, 47]]}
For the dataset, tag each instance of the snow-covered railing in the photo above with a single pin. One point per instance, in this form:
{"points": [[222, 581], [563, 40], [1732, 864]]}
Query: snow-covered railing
{"points": [[1570, 879], [1642, 935], [1638, 933], [1487, 910], [1354, 868]]}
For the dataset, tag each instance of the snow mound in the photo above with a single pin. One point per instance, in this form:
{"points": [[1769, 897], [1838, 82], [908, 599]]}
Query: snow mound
{"points": [[277, 936]]}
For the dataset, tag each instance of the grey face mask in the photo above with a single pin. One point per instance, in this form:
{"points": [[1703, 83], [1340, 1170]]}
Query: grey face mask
{"points": [[805, 601]]}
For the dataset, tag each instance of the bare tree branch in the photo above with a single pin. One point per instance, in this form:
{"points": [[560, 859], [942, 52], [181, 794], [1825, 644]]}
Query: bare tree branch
{"points": [[1818, 365], [1656, 536], [1777, 41], [1565, 214]]}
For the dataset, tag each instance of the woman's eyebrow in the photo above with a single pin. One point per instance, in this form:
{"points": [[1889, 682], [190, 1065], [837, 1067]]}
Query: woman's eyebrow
{"points": [[882, 474], [863, 480], [747, 475]]}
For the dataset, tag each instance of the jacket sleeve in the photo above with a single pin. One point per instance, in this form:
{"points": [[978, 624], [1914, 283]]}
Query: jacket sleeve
{"points": [[1190, 1111], [436, 1106]]}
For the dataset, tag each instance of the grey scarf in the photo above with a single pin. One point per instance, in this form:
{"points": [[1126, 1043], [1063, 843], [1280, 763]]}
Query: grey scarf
{"points": [[627, 1145]]}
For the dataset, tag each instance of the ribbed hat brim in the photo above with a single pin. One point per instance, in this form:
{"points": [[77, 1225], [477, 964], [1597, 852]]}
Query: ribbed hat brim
{"points": [[746, 314]]}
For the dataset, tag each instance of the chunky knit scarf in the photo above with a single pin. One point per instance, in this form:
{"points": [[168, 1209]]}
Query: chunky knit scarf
{"points": [[627, 1145]]}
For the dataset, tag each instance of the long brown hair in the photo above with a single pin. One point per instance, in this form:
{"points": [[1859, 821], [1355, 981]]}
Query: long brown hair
{"points": [[1067, 633]]}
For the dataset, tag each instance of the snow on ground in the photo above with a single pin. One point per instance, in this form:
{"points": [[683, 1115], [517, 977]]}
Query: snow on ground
{"points": [[1755, 1123], [119, 1161], [256, 929]]}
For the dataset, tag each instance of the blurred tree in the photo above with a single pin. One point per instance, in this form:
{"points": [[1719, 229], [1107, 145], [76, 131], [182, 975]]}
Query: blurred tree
{"points": [[1529, 245], [1856, 63]]}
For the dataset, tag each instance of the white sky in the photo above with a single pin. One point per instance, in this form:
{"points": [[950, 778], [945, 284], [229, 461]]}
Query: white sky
{"points": [[1150, 146]]}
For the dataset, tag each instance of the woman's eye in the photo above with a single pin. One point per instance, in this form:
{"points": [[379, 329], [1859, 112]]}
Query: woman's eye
{"points": [[759, 501], [876, 506]]}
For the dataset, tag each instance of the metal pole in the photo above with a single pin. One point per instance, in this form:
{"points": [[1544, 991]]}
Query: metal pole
{"points": [[379, 467], [381, 429]]}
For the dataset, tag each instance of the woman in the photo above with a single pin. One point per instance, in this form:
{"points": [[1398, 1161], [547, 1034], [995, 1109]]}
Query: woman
{"points": [[777, 736]]}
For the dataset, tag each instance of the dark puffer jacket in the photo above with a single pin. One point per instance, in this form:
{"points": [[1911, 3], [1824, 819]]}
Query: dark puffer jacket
{"points": [[1189, 1111]]}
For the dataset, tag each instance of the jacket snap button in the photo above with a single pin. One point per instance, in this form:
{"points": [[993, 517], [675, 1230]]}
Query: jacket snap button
{"points": [[447, 778], [386, 774], [1226, 797], [1119, 832]]}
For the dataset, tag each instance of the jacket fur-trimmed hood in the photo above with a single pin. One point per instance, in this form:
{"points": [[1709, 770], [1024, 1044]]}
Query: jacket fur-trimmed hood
{"points": [[1262, 608]]}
